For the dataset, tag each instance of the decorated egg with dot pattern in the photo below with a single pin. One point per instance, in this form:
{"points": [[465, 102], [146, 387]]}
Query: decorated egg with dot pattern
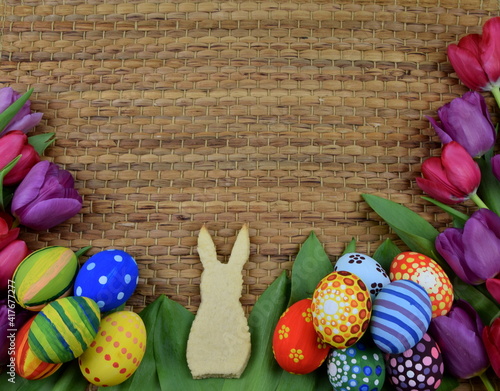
{"points": [[117, 350], [427, 273], [109, 278], [296, 346], [366, 268], [359, 367], [418, 368], [341, 308], [401, 315]]}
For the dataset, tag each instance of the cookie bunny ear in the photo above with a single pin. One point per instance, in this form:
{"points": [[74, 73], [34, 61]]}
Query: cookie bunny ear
{"points": [[241, 248], [206, 248]]}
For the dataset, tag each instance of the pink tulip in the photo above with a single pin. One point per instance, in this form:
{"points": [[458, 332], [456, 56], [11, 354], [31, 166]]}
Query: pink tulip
{"points": [[493, 286], [13, 144], [7, 233], [10, 257]]}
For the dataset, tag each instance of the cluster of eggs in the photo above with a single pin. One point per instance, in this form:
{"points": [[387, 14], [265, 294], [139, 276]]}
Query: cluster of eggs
{"points": [[76, 315], [367, 324]]}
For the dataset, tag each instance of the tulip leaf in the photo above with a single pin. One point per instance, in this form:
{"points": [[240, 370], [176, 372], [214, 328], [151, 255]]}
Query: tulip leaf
{"points": [[489, 188], [10, 112], [82, 251], [385, 253], [41, 141], [6, 195], [459, 218], [310, 266], [485, 307], [351, 247]]}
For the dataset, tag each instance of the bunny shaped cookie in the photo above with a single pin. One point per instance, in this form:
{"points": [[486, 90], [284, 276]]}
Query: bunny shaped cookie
{"points": [[219, 340]]}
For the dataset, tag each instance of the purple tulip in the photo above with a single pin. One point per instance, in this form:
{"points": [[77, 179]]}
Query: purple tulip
{"points": [[46, 197], [495, 166], [23, 120], [467, 121], [472, 251], [12, 317], [459, 336]]}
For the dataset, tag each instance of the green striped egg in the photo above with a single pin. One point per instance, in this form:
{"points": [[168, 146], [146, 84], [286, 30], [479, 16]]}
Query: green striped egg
{"points": [[44, 276], [64, 329]]}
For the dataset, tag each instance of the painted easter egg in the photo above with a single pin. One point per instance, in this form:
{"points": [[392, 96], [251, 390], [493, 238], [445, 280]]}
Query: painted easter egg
{"points": [[109, 278], [296, 346], [418, 368], [401, 315], [341, 309], [426, 272], [45, 275], [116, 351], [28, 365], [64, 329], [359, 367], [366, 268]]}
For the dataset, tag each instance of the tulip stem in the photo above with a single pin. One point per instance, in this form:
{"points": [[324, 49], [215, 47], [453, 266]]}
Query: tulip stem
{"points": [[486, 381], [496, 94], [478, 201]]}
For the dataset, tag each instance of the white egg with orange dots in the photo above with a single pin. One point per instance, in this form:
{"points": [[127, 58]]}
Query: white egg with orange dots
{"points": [[427, 273], [117, 350]]}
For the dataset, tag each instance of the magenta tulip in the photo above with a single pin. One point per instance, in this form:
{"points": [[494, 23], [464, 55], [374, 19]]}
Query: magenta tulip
{"points": [[13, 144], [493, 286], [23, 120], [46, 197], [10, 257], [476, 58], [467, 121], [7, 232], [491, 340], [495, 166], [452, 178], [459, 336]]}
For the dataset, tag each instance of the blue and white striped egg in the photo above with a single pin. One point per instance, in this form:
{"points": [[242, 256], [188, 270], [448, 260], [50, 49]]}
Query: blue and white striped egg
{"points": [[401, 315], [109, 278]]}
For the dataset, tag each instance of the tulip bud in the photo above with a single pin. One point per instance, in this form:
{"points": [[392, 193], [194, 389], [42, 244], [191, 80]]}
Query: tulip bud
{"points": [[13, 144], [10, 257], [491, 339], [46, 197], [23, 120], [452, 178], [459, 336]]}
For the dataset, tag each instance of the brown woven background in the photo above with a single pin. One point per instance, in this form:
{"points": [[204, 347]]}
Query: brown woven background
{"points": [[173, 114]]}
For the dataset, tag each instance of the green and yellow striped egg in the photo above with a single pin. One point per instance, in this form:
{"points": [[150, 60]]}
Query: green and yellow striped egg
{"points": [[45, 275], [64, 329]]}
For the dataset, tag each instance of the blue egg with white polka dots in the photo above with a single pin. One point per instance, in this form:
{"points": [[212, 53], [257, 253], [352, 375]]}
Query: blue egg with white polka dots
{"points": [[109, 278], [359, 367]]}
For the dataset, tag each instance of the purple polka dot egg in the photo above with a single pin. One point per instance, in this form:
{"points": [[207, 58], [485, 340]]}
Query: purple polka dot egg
{"points": [[108, 277], [419, 368]]}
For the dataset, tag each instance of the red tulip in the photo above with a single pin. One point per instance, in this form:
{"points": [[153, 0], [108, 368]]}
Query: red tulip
{"points": [[493, 286], [13, 144], [476, 58], [452, 178], [491, 340], [7, 233], [10, 257]]}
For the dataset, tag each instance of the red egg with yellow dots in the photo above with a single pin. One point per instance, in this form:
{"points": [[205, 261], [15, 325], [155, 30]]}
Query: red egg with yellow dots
{"points": [[117, 350], [341, 309], [296, 346], [426, 272]]}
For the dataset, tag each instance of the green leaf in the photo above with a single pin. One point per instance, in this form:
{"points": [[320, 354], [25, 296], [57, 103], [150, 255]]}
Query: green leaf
{"points": [[41, 141], [310, 266], [459, 218], [385, 253], [448, 383], [5, 198], [486, 308], [263, 372], [351, 247], [489, 188], [9, 113], [82, 251]]}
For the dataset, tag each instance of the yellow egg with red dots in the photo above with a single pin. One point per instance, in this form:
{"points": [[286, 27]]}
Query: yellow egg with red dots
{"points": [[117, 350], [427, 273], [341, 309]]}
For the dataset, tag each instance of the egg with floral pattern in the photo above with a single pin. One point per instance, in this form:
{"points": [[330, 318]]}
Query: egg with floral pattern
{"points": [[109, 278], [359, 367], [296, 346], [341, 309], [426, 272], [419, 368], [366, 268]]}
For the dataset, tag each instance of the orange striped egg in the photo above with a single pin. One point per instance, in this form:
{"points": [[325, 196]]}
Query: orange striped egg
{"points": [[28, 365], [427, 273], [117, 350], [45, 275], [341, 309]]}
